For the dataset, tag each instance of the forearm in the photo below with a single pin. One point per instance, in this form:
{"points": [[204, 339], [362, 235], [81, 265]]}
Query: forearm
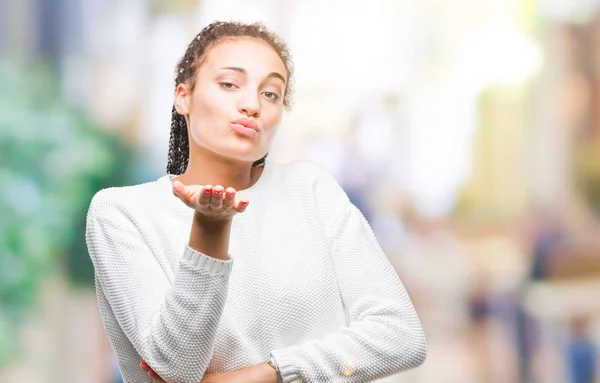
{"points": [[259, 373], [176, 341], [363, 351], [210, 238], [383, 335]]}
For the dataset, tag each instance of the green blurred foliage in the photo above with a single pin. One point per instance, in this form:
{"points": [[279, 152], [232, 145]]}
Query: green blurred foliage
{"points": [[52, 160]]}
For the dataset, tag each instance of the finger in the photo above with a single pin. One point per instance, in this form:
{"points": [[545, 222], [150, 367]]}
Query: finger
{"points": [[216, 202], [229, 197], [187, 194], [203, 199], [178, 189], [154, 376], [241, 205], [145, 366]]}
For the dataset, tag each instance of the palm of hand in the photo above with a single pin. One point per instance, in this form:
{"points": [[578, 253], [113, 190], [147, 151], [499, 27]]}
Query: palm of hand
{"points": [[214, 203]]}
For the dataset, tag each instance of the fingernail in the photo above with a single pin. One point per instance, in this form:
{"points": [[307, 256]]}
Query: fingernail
{"points": [[230, 194], [207, 191], [218, 191], [244, 203], [144, 364]]}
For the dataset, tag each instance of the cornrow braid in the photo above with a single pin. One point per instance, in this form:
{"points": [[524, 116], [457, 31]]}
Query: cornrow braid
{"points": [[179, 146]]}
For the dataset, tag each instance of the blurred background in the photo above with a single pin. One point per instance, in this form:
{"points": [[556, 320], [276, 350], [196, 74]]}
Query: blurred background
{"points": [[475, 125]]}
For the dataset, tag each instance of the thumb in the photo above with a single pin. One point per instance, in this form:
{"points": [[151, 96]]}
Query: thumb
{"points": [[179, 189]]}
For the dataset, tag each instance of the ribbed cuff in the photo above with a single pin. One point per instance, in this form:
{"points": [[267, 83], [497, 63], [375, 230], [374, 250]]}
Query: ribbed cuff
{"points": [[287, 366], [203, 262]]}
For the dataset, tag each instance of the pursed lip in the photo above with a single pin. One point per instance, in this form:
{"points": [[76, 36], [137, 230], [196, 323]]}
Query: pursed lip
{"points": [[246, 122]]}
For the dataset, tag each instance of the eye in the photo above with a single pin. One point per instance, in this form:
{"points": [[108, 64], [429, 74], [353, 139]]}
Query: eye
{"points": [[227, 85], [271, 96]]}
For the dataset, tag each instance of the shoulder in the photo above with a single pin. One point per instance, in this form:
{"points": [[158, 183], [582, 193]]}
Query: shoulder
{"points": [[124, 200], [318, 187], [309, 172]]}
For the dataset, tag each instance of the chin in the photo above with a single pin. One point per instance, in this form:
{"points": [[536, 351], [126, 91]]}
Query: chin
{"points": [[246, 153], [244, 157]]}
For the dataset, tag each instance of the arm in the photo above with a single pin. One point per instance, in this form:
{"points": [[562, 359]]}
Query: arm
{"points": [[260, 373], [171, 326], [384, 335], [212, 238]]}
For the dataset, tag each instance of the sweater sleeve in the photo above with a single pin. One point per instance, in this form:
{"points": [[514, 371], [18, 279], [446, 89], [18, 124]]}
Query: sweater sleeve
{"points": [[171, 324], [384, 335]]}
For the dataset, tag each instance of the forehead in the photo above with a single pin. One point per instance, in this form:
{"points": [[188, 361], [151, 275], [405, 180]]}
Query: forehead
{"points": [[254, 55]]}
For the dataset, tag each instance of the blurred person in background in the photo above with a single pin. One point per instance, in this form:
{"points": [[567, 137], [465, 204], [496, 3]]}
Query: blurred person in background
{"points": [[546, 236], [296, 288], [582, 354]]}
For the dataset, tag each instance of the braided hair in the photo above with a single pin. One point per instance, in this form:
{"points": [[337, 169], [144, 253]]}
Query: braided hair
{"points": [[179, 146]]}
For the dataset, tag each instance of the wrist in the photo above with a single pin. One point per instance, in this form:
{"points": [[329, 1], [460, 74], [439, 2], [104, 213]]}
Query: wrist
{"points": [[273, 364], [210, 237], [267, 373], [211, 224]]}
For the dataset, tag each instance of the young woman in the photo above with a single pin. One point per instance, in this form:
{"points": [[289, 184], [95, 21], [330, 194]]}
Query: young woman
{"points": [[233, 268]]}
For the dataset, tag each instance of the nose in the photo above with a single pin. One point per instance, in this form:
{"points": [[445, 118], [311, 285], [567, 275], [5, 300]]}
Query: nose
{"points": [[249, 104]]}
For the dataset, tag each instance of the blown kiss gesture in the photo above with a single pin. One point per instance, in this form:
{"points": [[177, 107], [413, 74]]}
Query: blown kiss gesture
{"points": [[212, 203]]}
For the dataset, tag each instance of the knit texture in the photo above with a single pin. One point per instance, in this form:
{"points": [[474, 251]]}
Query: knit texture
{"points": [[306, 281]]}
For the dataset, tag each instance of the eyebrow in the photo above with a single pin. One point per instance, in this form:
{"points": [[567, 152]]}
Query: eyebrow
{"points": [[242, 70]]}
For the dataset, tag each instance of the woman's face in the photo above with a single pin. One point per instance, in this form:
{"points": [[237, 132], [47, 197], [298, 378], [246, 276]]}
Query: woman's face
{"points": [[237, 102]]}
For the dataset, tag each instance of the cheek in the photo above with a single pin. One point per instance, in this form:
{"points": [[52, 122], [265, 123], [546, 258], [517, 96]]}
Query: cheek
{"points": [[202, 121], [271, 125], [272, 117], [208, 108]]}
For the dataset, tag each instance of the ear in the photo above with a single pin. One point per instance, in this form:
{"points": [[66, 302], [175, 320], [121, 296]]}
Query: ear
{"points": [[182, 99]]}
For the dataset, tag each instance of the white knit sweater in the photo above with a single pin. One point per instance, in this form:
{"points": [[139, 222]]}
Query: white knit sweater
{"points": [[307, 281]]}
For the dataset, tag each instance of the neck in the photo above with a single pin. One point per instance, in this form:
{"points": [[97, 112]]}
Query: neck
{"points": [[220, 171]]}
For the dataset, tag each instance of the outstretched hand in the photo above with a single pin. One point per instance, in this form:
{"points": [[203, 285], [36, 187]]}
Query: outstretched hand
{"points": [[214, 203]]}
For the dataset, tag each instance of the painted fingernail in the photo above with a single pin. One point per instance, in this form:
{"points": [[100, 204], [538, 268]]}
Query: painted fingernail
{"points": [[218, 191], [230, 194], [244, 203], [144, 364], [207, 191]]}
